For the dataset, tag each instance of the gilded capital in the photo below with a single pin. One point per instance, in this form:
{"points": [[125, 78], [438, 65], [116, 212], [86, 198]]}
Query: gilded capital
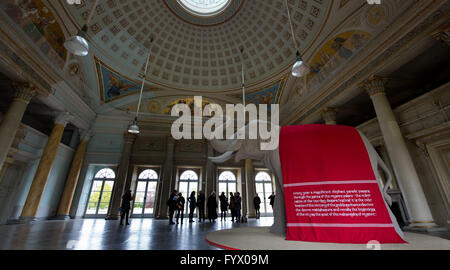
{"points": [[63, 118], [329, 114], [86, 135], [442, 34], [375, 86], [24, 92], [129, 138]]}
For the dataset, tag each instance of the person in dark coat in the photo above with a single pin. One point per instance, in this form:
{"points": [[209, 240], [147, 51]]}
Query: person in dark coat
{"points": [[181, 202], [237, 206], [125, 207], [172, 204], [272, 199], [223, 206], [212, 207], [201, 206], [192, 204], [233, 213], [257, 204]]}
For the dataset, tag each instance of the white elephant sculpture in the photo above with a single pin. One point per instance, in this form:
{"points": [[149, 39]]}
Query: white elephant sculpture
{"points": [[250, 149]]}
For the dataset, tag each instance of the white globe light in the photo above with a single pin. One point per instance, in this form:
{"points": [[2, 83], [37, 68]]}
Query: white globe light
{"points": [[300, 69], [78, 44], [134, 128]]}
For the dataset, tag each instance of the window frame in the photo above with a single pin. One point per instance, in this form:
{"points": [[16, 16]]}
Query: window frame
{"points": [[104, 180]]}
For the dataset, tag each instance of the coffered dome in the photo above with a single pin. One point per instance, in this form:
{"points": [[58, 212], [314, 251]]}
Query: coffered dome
{"points": [[196, 46]]}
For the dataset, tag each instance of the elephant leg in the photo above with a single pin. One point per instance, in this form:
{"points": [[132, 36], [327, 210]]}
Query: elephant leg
{"points": [[272, 162], [279, 213]]}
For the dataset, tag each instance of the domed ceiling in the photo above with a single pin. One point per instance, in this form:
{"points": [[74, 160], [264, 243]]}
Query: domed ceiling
{"points": [[196, 46]]}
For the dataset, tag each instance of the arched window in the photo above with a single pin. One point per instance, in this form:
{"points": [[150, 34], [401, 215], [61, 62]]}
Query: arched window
{"points": [[188, 176], [101, 190], [227, 183], [188, 182], [145, 195], [105, 174], [148, 175], [264, 188]]}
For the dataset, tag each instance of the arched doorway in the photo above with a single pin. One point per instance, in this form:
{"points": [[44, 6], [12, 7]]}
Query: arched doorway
{"points": [[145, 195], [100, 195], [264, 188]]}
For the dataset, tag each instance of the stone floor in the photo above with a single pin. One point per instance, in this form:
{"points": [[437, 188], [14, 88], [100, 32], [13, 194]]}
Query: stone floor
{"points": [[99, 234]]}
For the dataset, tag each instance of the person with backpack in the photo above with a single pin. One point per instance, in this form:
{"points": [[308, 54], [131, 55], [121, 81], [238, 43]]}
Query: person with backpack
{"points": [[180, 207], [172, 204]]}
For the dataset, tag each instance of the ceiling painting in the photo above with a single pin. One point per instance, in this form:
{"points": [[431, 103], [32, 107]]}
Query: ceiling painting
{"points": [[40, 25], [113, 85], [334, 54]]}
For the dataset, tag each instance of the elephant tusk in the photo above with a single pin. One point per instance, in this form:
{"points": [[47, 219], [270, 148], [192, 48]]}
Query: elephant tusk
{"points": [[222, 158]]}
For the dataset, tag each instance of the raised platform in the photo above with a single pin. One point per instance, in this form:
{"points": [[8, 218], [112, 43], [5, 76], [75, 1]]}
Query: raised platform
{"points": [[260, 238]]}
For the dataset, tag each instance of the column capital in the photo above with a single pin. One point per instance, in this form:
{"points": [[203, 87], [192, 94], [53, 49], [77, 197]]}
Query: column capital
{"points": [[86, 135], [24, 91], [375, 86], [129, 138], [63, 118], [170, 140], [329, 114], [442, 33]]}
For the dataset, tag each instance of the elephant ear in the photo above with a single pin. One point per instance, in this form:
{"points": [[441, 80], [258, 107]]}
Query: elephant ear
{"points": [[222, 158]]}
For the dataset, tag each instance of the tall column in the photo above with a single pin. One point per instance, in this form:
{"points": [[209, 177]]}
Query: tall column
{"points": [[210, 175], [408, 180], [11, 120], [72, 179], [165, 181], [45, 164], [329, 116], [251, 187], [244, 194], [119, 183]]}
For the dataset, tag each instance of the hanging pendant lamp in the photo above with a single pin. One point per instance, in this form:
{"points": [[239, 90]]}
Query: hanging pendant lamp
{"points": [[134, 127], [78, 44], [300, 68]]}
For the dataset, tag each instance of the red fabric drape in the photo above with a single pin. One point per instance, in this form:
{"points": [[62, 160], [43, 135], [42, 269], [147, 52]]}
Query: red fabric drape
{"points": [[331, 193]]}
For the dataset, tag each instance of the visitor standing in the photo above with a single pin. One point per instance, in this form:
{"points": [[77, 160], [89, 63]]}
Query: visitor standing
{"points": [[272, 199], [257, 204], [180, 207], [223, 206], [201, 206], [238, 206], [125, 207], [212, 207], [192, 205], [172, 204], [233, 213]]}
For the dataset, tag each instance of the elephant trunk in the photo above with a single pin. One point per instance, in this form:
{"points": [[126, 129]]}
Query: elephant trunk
{"points": [[221, 146]]}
